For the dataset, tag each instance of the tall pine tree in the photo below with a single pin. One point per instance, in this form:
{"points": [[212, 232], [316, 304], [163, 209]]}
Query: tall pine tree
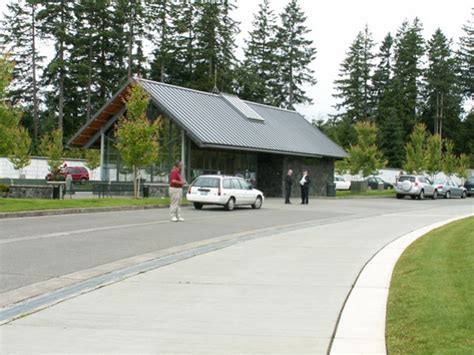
{"points": [[295, 53], [442, 91], [409, 48], [259, 74], [355, 86], [215, 61], [466, 56], [20, 32]]}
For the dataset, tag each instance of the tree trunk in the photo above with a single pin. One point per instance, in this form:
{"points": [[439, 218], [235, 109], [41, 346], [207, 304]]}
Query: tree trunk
{"points": [[130, 41], [89, 81], [35, 88], [61, 76]]}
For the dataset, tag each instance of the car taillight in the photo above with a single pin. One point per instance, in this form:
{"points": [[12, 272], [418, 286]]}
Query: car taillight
{"points": [[440, 186], [416, 183], [219, 191]]}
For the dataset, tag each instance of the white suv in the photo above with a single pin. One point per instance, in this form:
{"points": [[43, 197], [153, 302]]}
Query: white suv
{"points": [[228, 191], [415, 186]]}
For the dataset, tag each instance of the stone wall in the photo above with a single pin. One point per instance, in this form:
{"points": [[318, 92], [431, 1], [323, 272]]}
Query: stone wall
{"points": [[320, 170], [25, 191]]}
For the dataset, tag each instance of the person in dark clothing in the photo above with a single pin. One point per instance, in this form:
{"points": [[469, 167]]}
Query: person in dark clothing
{"points": [[288, 185], [304, 184]]}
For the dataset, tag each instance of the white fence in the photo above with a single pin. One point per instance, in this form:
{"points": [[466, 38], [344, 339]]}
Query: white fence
{"points": [[38, 168]]}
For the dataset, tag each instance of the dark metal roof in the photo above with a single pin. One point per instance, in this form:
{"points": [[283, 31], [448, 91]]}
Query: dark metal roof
{"points": [[212, 121]]}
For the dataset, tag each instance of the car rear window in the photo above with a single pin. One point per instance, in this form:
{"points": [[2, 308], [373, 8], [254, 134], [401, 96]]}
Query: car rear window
{"points": [[409, 178], [206, 182]]}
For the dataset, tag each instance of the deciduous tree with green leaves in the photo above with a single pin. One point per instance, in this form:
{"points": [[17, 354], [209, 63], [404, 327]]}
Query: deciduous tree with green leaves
{"points": [[462, 166], [450, 163], [433, 156], [92, 158], [9, 116], [137, 137], [415, 150], [20, 155], [364, 157], [51, 146]]}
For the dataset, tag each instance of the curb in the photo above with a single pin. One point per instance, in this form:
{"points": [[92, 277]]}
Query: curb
{"points": [[361, 325], [58, 212]]}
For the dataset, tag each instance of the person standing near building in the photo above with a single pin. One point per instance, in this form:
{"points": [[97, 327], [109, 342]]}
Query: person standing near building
{"points": [[288, 185], [304, 184], [176, 191]]}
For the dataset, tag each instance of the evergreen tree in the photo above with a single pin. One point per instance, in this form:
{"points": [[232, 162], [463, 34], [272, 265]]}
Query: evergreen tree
{"points": [[384, 70], [259, 74], [164, 14], [442, 92], [409, 48], [56, 23], [390, 137], [466, 56], [20, 31], [295, 53], [215, 61], [354, 86]]}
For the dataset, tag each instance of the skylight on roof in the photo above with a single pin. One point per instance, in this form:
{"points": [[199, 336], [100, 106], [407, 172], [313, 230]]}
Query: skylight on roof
{"points": [[242, 107]]}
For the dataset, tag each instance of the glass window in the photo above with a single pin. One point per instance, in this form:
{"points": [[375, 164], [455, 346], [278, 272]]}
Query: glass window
{"points": [[244, 184], [409, 178], [226, 183], [421, 179], [206, 182], [236, 184]]}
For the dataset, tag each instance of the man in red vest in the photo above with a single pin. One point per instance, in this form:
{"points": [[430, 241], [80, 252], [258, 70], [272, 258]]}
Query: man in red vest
{"points": [[176, 191]]}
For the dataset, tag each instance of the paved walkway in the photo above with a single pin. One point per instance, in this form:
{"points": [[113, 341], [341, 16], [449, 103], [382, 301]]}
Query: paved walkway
{"points": [[276, 294]]}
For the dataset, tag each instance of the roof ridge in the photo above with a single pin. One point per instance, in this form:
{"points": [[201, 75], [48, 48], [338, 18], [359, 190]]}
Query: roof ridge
{"points": [[176, 86], [275, 107]]}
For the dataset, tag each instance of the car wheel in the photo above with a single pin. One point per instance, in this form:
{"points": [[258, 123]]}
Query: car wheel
{"points": [[230, 204], [197, 205], [435, 195], [258, 203], [400, 196], [463, 194], [421, 196], [447, 194]]}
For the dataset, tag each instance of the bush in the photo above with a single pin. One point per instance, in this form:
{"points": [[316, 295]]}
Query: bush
{"points": [[4, 190]]}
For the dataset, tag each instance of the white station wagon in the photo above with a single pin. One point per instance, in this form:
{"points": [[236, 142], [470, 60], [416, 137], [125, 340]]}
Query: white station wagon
{"points": [[227, 191]]}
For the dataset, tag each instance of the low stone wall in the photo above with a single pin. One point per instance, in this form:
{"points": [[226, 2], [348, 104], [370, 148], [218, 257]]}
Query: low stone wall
{"points": [[160, 190], [30, 191]]}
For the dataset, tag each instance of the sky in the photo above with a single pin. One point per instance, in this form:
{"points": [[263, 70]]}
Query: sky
{"points": [[334, 25]]}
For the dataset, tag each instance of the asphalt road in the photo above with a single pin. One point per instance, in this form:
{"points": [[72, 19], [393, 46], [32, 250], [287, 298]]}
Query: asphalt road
{"points": [[42, 248]]}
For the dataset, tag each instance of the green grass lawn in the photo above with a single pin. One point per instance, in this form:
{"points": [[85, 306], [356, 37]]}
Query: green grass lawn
{"points": [[431, 301], [18, 205], [368, 194]]}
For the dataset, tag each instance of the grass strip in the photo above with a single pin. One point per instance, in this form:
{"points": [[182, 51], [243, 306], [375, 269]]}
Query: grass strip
{"points": [[431, 301]]}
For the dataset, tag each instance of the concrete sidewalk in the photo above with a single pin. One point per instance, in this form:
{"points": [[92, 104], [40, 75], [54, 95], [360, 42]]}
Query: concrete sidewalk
{"points": [[278, 294]]}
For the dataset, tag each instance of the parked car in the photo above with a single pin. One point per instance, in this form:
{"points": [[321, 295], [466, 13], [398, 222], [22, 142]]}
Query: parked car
{"points": [[415, 186], [341, 183], [469, 185], [78, 173], [374, 181], [448, 189], [227, 191]]}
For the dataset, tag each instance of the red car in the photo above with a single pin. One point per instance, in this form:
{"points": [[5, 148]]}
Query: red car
{"points": [[78, 173]]}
